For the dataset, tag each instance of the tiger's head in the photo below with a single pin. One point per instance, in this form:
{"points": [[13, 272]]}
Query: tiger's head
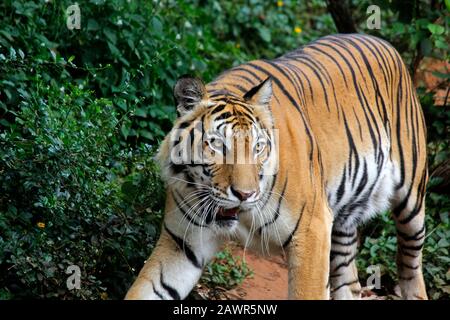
{"points": [[221, 153]]}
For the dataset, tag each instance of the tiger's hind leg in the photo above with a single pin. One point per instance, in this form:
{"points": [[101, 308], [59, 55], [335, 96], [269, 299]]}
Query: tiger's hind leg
{"points": [[344, 274], [409, 218]]}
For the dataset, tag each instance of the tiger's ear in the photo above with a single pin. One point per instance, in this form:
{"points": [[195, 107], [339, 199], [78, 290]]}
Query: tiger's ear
{"points": [[188, 92], [260, 94]]}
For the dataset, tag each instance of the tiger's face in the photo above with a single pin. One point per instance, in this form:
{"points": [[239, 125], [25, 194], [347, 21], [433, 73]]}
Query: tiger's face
{"points": [[221, 152]]}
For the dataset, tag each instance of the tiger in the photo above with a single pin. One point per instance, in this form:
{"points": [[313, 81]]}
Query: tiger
{"points": [[333, 134]]}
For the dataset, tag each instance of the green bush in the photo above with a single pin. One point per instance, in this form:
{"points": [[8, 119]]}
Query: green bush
{"points": [[133, 51], [70, 196], [226, 271]]}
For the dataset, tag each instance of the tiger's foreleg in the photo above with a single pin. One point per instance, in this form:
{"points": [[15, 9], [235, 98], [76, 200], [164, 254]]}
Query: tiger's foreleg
{"points": [[174, 267], [309, 256]]}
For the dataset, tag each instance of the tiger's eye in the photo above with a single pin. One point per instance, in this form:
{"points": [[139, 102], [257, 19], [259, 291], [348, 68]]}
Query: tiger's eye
{"points": [[215, 144], [259, 147]]}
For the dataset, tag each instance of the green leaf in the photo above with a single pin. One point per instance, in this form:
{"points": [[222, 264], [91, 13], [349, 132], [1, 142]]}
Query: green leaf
{"points": [[265, 34], [125, 130], [156, 26], [441, 44], [21, 54], [111, 35], [114, 50], [141, 112], [92, 25], [398, 27], [441, 75], [443, 243], [436, 29], [146, 134], [121, 103], [426, 47]]}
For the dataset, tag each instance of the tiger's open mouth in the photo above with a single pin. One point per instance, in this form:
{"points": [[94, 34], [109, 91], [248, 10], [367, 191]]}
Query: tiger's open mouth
{"points": [[227, 214]]}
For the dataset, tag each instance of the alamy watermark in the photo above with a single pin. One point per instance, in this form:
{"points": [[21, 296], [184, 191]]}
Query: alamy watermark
{"points": [[374, 280], [74, 280], [195, 145], [73, 20], [374, 20]]}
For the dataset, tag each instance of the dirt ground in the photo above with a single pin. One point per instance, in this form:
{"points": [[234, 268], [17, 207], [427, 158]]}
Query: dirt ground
{"points": [[269, 280]]}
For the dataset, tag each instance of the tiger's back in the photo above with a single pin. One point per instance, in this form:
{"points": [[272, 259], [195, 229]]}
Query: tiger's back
{"points": [[353, 95]]}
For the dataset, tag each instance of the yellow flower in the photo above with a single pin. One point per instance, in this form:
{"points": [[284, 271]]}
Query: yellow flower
{"points": [[41, 225], [298, 30], [280, 3], [238, 45], [104, 296]]}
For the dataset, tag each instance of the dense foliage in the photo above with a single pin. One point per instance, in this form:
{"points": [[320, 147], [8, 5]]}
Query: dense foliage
{"points": [[82, 112], [71, 196]]}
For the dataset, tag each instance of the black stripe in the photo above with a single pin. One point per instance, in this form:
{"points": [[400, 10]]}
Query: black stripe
{"points": [[172, 292], [313, 47], [348, 243], [372, 76], [403, 264], [217, 109], [277, 213], [251, 73], [245, 78], [399, 139], [289, 238], [270, 191], [226, 122], [413, 248], [343, 234], [341, 189], [346, 284], [254, 90], [335, 254], [415, 236], [413, 214], [185, 248], [352, 152], [304, 62], [184, 125], [345, 263], [364, 179], [223, 116], [336, 275], [177, 168], [236, 86], [408, 254], [157, 292]]}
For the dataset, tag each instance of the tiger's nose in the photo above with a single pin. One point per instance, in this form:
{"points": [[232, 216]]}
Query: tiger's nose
{"points": [[242, 195]]}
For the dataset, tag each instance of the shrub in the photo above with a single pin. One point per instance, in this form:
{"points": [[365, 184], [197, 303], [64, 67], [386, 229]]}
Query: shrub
{"points": [[69, 195], [133, 51], [226, 270]]}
